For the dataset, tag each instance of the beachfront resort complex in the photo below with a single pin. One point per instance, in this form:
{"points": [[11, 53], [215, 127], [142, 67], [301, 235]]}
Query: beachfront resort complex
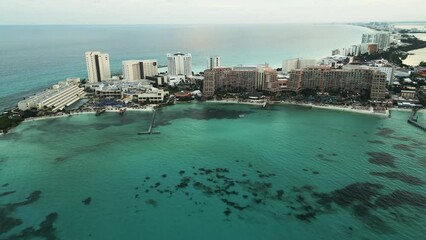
{"points": [[209, 120], [350, 78]]}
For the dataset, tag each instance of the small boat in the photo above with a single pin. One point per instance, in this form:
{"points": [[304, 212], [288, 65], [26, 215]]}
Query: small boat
{"points": [[241, 115], [122, 111]]}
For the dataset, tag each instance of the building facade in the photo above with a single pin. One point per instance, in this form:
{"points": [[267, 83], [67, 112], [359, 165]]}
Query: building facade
{"points": [[56, 98], [246, 79], [153, 95], [297, 63], [209, 83], [266, 79], [98, 66], [368, 38], [139, 69], [214, 62], [179, 64], [381, 38], [388, 70], [326, 79], [216, 79], [378, 86]]}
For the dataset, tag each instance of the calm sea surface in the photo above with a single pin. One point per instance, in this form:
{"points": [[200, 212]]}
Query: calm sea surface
{"points": [[34, 57], [281, 173]]}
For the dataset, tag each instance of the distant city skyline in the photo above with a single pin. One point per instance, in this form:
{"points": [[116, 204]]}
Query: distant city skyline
{"points": [[35, 12]]}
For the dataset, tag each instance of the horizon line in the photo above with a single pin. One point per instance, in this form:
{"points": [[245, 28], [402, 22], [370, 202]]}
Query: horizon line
{"points": [[263, 23]]}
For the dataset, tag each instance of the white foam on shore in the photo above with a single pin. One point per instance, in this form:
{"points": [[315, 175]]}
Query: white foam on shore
{"points": [[235, 102], [328, 107], [370, 111]]}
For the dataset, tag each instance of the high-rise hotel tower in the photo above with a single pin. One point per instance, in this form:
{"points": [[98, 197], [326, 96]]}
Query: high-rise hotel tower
{"points": [[98, 68], [139, 69], [214, 61], [179, 64]]}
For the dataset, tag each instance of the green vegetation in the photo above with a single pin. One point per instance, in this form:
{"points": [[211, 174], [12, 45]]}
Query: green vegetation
{"points": [[12, 119], [396, 55], [8, 121]]}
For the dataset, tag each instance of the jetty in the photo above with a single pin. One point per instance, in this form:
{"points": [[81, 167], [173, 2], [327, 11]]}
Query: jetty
{"points": [[100, 111], [413, 120], [151, 125]]}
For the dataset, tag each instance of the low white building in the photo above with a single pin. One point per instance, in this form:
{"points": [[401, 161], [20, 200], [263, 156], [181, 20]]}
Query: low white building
{"points": [[401, 72], [117, 88], [105, 90], [56, 98], [175, 80], [153, 95]]}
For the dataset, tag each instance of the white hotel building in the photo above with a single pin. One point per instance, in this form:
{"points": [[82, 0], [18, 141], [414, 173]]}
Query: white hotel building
{"points": [[179, 64], [98, 67], [214, 61], [56, 98], [297, 63], [139, 69], [381, 38]]}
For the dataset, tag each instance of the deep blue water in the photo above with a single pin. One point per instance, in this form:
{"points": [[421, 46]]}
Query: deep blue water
{"points": [[34, 57]]}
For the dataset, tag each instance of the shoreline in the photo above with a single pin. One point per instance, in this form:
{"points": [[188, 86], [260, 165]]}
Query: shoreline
{"points": [[235, 102], [369, 111], [327, 107], [148, 109]]}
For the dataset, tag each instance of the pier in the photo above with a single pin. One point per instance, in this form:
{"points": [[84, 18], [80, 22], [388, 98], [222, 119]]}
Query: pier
{"points": [[413, 120], [100, 111], [151, 125]]}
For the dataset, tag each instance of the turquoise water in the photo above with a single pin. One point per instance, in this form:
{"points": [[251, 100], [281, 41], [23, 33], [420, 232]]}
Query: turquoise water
{"points": [[282, 173], [34, 57]]}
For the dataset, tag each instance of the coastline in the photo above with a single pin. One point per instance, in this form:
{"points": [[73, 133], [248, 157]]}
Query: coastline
{"points": [[111, 110], [339, 108], [327, 107], [233, 101], [369, 111]]}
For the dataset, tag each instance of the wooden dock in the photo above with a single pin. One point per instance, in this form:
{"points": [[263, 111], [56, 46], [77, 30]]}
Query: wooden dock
{"points": [[151, 125]]}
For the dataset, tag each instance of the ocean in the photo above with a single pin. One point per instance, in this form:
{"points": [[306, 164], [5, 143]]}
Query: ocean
{"points": [[215, 171], [32, 58]]}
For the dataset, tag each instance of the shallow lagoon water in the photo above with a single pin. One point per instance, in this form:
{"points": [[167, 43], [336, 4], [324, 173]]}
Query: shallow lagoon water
{"points": [[282, 172]]}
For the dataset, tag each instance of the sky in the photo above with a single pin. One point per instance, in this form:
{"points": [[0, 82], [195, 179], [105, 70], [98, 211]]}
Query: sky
{"points": [[207, 11]]}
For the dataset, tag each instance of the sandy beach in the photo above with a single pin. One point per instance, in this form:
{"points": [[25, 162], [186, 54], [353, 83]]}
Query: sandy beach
{"points": [[235, 102], [329, 107], [338, 108]]}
